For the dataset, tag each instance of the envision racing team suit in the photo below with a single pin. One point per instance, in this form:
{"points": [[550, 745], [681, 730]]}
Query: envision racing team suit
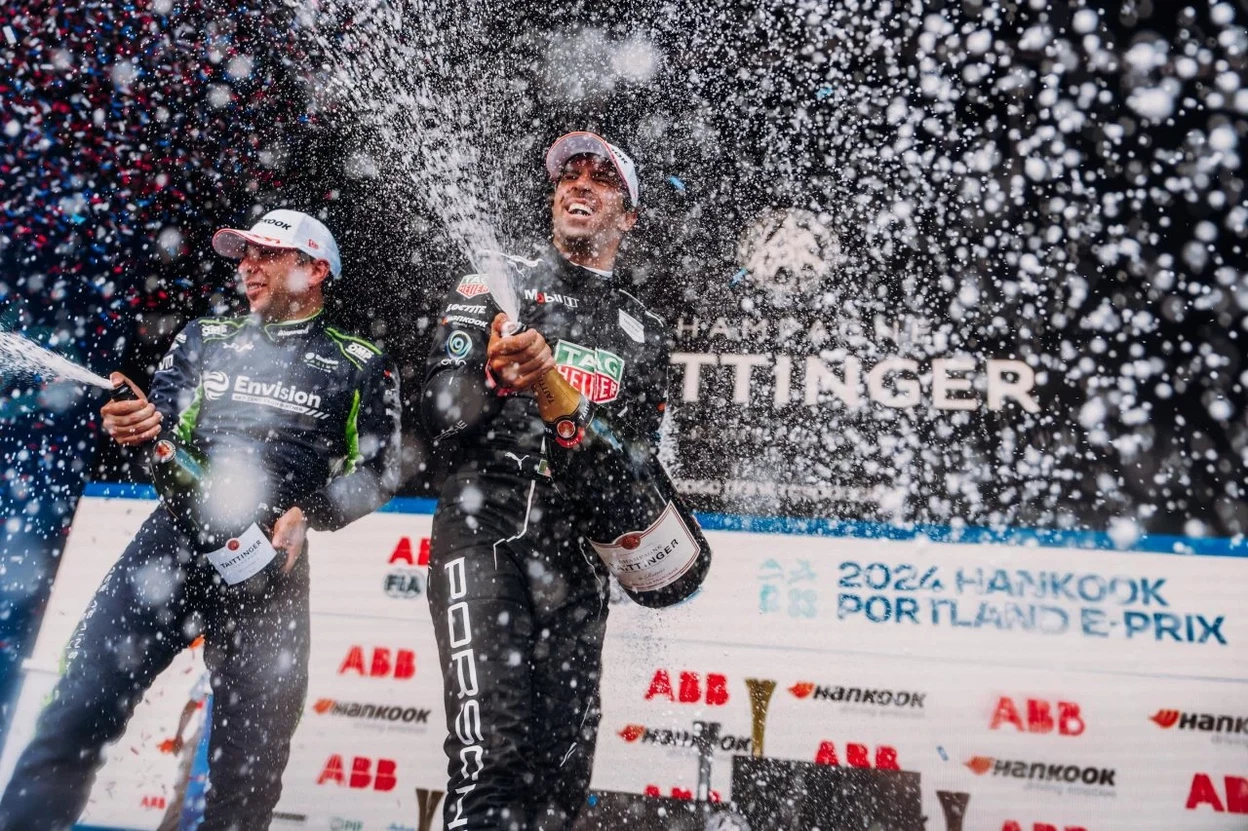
{"points": [[519, 607], [292, 413]]}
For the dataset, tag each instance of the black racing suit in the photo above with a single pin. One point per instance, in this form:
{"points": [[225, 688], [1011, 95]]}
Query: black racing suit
{"points": [[519, 604], [290, 414]]}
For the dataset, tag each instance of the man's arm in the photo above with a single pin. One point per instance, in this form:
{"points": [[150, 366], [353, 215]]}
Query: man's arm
{"points": [[648, 383], [649, 404], [456, 398], [371, 473], [172, 400], [176, 389]]}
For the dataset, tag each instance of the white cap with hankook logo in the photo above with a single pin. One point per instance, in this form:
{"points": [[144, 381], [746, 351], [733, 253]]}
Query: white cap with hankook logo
{"points": [[282, 229], [578, 143]]}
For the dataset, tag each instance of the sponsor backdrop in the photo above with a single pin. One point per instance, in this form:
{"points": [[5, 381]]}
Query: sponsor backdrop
{"points": [[1032, 684]]}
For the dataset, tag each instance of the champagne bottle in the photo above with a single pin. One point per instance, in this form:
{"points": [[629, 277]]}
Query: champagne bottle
{"points": [[238, 548], [639, 526]]}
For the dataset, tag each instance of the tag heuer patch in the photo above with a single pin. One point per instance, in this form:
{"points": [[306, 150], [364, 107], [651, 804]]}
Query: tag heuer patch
{"points": [[472, 285], [596, 373]]}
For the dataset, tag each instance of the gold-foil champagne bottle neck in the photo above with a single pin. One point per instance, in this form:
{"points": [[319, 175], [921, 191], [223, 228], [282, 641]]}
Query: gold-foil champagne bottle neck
{"points": [[556, 398]]}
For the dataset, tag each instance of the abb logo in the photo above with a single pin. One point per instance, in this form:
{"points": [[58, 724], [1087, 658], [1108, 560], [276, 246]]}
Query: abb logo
{"points": [[153, 802], [680, 793], [1014, 825], [1205, 792], [404, 552], [362, 774], [858, 756], [380, 664], [1041, 718], [689, 689]]}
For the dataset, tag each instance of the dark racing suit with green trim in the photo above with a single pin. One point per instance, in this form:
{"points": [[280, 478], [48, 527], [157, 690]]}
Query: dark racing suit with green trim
{"points": [[288, 414]]}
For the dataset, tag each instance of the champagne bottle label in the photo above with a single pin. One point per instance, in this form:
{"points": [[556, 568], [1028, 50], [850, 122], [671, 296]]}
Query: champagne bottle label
{"points": [[654, 558], [243, 556]]}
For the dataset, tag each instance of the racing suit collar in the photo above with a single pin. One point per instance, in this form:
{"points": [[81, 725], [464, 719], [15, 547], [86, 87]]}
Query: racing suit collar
{"points": [[574, 273], [279, 331]]}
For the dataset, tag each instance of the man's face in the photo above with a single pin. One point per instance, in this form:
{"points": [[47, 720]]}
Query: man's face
{"points": [[590, 204], [274, 279]]}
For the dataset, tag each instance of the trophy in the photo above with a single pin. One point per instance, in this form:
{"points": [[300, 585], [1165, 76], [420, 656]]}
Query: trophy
{"points": [[760, 698]]}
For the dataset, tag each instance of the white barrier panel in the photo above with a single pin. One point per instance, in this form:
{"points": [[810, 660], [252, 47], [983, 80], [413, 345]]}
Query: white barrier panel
{"points": [[1058, 688]]}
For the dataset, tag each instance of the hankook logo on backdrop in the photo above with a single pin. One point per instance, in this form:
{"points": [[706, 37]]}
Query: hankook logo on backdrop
{"points": [[680, 738], [381, 715], [883, 698], [289, 817], [1202, 722], [1068, 774]]}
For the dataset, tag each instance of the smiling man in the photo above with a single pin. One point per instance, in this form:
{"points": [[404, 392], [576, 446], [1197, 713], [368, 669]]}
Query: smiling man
{"points": [[519, 601], [299, 424]]}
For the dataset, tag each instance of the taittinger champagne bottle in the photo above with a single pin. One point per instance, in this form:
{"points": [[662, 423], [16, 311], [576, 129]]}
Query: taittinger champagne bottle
{"points": [[640, 527], [237, 549]]}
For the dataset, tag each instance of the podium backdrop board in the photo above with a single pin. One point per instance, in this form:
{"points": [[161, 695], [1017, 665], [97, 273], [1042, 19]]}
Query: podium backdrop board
{"points": [[1046, 681]]}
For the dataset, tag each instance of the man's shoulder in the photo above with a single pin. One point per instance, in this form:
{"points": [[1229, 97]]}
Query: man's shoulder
{"points": [[516, 266], [630, 304], [359, 351]]}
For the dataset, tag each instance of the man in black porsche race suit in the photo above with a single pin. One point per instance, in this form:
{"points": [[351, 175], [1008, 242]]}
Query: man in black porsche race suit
{"points": [[519, 604], [289, 412]]}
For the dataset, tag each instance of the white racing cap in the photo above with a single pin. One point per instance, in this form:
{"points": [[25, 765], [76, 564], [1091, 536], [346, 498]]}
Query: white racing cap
{"points": [[575, 144], [282, 229]]}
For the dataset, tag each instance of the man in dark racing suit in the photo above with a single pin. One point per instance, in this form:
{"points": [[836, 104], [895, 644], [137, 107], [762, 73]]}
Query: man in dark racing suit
{"points": [[289, 412], [519, 603]]}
